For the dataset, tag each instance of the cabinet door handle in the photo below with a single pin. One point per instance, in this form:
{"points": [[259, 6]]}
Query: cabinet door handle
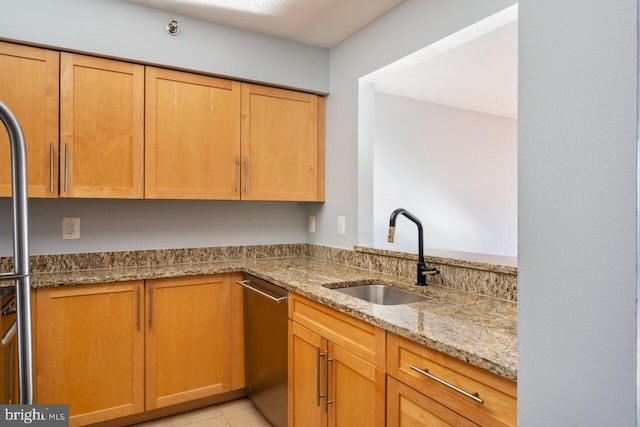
{"points": [[326, 382], [66, 167], [318, 356], [473, 396], [237, 175], [246, 176], [51, 167], [150, 306], [138, 308]]}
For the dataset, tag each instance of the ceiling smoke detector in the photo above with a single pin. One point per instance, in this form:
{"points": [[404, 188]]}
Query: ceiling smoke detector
{"points": [[172, 28]]}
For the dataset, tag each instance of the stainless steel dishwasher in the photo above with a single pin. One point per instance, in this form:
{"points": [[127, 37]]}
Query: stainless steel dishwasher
{"points": [[265, 345]]}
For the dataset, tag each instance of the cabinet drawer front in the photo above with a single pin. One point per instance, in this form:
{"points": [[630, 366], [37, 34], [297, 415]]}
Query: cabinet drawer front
{"points": [[408, 408], [498, 394], [356, 336]]}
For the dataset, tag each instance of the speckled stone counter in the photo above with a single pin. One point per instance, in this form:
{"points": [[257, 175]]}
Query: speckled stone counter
{"points": [[470, 327]]}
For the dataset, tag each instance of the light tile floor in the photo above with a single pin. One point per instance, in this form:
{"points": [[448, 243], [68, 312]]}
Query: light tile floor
{"points": [[237, 413]]}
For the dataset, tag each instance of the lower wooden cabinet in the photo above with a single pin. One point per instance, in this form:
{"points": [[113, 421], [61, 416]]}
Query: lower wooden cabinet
{"points": [[90, 350], [407, 407], [329, 384], [442, 381], [112, 350], [190, 339]]}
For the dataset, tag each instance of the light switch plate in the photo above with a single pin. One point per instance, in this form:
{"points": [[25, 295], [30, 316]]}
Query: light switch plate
{"points": [[341, 225]]}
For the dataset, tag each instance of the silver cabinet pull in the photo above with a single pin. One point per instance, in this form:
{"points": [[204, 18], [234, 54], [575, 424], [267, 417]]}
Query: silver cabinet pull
{"points": [[150, 306], [237, 175], [246, 176], [51, 167], [138, 307], [326, 382], [8, 336], [318, 395], [247, 284], [473, 396], [66, 167]]}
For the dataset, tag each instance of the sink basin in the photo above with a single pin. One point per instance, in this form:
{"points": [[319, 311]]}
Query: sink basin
{"points": [[381, 294]]}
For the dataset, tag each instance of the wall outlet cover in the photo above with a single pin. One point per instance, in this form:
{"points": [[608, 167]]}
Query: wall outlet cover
{"points": [[70, 228]]}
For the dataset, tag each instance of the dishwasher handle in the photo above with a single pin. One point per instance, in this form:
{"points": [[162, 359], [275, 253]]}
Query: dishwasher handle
{"points": [[247, 284]]}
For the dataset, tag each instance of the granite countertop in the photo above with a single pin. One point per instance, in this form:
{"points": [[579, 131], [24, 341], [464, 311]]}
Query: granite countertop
{"points": [[477, 329]]}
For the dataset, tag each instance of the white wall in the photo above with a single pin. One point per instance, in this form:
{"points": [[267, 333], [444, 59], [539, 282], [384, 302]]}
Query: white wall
{"points": [[578, 213], [409, 27], [128, 31], [454, 169]]}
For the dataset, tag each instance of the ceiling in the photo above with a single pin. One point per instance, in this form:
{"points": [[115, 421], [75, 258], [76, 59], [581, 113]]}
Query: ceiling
{"points": [[479, 75], [323, 23]]}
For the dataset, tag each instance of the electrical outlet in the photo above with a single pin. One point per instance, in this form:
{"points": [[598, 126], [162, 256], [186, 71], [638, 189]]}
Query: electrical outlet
{"points": [[70, 228], [312, 224], [341, 226]]}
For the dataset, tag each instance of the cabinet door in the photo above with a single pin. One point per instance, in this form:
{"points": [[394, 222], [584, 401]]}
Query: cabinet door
{"points": [[101, 128], [29, 87], [190, 339], [90, 350], [409, 408], [282, 147], [192, 143], [356, 390], [307, 404]]}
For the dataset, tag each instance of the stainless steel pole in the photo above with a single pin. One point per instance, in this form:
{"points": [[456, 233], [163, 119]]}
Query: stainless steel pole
{"points": [[20, 252]]}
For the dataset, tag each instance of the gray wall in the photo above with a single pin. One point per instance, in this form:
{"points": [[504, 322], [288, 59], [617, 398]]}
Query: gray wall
{"points": [[128, 31], [577, 213]]}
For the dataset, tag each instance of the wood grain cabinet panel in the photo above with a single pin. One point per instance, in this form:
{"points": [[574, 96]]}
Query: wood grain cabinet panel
{"points": [[329, 385], [282, 144], [306, 389], [29, 87], [192, 148], [90, 350], [498, 395], [190, 339], [407, 407], [118, 349], [101, 128]]}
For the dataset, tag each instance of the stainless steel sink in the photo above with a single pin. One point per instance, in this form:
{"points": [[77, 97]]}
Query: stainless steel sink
{"points": [[381, 294]]}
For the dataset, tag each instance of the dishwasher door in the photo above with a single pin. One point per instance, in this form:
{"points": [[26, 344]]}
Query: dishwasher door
{"points": [[265, 341]]}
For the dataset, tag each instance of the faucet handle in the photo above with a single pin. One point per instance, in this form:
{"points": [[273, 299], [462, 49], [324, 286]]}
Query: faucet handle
{"points": [[430, 271]]}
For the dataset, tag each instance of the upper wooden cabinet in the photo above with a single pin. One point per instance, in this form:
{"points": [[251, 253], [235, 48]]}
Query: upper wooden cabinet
{"points": [[29, 87], [192, 147], [206, 141], [98, 128], [282, 144], [101, 128]]}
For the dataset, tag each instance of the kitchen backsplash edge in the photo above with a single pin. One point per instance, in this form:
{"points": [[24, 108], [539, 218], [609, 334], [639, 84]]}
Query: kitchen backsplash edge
{"points": [[498, 281]]}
